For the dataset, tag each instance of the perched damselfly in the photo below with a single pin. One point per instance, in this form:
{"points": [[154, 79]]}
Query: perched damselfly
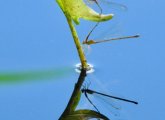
{"points": [[92, 92], [110, 5], [90, 42]]}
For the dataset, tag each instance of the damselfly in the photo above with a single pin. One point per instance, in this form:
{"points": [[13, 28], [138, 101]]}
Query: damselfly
{"points": [[91, 92], [92, 41]]}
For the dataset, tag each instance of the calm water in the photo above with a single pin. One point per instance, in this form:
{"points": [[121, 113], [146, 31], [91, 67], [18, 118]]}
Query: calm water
{"points": [[35, 35]]}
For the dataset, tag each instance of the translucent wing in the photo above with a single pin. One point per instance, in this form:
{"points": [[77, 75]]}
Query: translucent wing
{"points": [[105, 4], [108, 30], [86, 49], [111, 104], [90, 2], [113, 28], [113, 5]]}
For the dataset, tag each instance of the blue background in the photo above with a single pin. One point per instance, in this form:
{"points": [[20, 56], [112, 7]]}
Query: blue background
{"points": [[35, 35]]}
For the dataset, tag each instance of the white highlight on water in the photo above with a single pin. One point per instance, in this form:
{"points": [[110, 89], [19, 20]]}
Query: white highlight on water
{"points": [[79, 67]]}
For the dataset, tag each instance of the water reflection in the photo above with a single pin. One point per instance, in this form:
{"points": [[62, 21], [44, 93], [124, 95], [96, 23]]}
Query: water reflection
{"points": [[71, 112]]}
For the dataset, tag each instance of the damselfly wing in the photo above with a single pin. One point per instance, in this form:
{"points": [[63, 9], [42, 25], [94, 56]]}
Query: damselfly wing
{"points": [[110, 5], [101, 4], [105, 97]]}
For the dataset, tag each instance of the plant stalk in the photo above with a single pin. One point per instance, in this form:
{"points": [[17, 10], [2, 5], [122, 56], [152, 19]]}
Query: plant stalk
{"points": [[77, 43]]}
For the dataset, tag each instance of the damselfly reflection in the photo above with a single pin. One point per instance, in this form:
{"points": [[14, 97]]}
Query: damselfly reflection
{"points": [[92, 92]]}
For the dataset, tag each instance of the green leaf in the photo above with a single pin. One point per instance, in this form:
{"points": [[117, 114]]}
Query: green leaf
{"points": [[85, 115], [12, 77], [77, 9]]}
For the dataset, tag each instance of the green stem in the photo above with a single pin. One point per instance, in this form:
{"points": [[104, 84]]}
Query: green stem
{"points": [[77, 43]]}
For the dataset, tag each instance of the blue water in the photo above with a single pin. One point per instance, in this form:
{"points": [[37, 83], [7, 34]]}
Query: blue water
{"points": [[35, 35]]}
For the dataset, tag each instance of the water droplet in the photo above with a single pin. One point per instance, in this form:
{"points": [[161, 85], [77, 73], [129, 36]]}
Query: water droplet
{"points": [[79, 67]]}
